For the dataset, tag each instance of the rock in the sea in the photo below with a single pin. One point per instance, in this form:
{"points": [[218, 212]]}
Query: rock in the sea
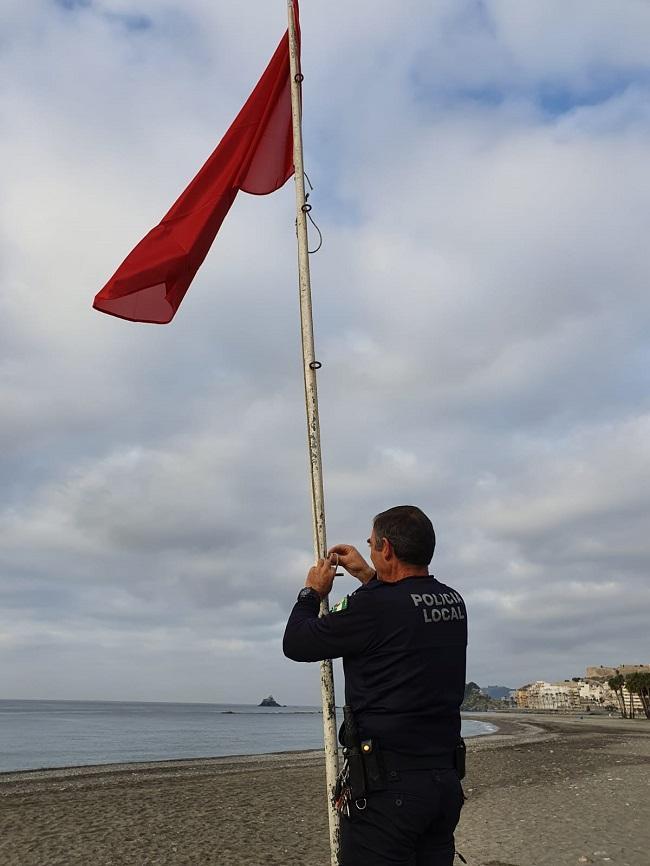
{"points": [[269, 702]]}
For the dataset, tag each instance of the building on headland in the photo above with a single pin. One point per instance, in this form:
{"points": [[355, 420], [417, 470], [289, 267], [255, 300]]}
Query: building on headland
{"points": [[576, 694], [605, 673]]}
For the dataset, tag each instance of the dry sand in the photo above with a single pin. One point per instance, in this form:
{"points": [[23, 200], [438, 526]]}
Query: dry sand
{"points": [[541, 792]]}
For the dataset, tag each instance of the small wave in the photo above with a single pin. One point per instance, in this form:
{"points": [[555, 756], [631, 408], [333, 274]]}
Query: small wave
{"points": [[269, 712]]}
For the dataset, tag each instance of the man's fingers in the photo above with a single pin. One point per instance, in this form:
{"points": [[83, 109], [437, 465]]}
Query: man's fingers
{"points": [[327, 563], [340, 549]]}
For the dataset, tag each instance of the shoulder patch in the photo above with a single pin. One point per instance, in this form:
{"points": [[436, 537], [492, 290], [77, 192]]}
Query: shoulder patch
{"points": [[340, 605]]}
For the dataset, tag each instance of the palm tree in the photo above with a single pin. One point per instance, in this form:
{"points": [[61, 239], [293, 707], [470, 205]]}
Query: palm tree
{"points": [[644, 692], [639, 684], [616, 685]]}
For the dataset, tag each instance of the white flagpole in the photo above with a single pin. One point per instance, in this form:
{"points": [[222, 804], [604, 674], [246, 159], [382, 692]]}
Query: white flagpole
{"points": [[313, 425]]}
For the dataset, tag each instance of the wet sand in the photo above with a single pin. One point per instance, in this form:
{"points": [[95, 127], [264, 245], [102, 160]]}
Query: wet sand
{"points": [[541, 792]]}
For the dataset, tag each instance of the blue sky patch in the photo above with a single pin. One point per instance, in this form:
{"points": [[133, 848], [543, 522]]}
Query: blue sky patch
{"points": [[132, 22], [73, 4], [558, 99]]}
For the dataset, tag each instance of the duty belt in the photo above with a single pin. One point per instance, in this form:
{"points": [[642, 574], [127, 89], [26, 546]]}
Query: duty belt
{"points": [[395, 761], [368, 768]]}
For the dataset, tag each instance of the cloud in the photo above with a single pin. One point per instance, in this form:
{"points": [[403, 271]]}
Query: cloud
{"points": [[481, 314]]}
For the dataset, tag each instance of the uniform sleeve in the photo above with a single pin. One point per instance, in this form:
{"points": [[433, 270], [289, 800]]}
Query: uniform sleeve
{"points": [[310, 638]]}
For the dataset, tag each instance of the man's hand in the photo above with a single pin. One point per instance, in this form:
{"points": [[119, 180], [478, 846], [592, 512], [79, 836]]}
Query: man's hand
{"points": [[321, 576], [352, 561]]}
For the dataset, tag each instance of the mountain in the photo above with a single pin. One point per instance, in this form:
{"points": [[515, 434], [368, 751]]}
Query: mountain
{"points": [[476, 701], [497, 692]]}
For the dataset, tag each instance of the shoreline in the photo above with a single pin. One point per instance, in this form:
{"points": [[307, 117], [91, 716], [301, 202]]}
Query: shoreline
{"points": [[541, 791], [511, 728]]}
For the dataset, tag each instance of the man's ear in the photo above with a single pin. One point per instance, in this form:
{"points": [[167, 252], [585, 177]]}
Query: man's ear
{"points": [[387, 549]]}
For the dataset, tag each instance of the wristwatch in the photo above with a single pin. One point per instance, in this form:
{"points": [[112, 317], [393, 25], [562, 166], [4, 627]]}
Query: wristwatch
{"points": [[308, 592]]}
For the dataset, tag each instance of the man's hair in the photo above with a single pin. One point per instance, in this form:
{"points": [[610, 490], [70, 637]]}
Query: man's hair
{"points": [[409, 531]]}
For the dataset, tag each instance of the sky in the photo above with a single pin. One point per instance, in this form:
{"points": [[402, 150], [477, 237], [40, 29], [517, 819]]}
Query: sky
{"points": [[481, 312]]}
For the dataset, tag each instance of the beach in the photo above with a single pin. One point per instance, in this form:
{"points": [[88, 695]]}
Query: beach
{"points": [[542, 791]]}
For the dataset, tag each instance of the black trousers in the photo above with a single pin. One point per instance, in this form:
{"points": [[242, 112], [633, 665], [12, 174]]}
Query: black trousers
{"points": [[411, 823]]}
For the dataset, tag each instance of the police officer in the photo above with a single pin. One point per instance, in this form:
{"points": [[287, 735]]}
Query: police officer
{"points": [[402, 636]]}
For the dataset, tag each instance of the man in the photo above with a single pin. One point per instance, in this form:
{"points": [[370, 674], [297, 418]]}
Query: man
{"points": [[402, 636]]}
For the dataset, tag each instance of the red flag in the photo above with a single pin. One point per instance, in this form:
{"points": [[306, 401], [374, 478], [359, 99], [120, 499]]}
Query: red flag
{"points": [[255, 155]]}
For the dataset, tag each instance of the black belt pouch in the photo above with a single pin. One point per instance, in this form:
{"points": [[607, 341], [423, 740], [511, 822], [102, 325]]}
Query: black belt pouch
{"points": [[459, 758]]}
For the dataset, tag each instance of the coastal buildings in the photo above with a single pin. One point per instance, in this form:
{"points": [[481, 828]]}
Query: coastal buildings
{"points": [[586, 693], [521, 697], [542, 695]]}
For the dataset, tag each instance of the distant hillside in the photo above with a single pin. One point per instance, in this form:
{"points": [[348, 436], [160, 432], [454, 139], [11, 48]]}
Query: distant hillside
{"points": [[476, 701], [497, 692]]}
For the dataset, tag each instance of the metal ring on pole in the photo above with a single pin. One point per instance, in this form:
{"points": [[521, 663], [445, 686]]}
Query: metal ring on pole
{"points": [[306, 208], [315, 365], [299, 77]]}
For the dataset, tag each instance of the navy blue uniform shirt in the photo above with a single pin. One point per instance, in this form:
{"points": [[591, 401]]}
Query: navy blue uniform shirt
{"points": [[403, 647]]}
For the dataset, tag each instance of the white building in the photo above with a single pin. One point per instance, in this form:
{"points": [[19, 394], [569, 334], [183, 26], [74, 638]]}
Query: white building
{"points": [[600, 675], [542, 695]]}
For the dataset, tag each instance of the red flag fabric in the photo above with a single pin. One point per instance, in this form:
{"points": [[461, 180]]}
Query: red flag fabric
{"points": [[255, 156]]}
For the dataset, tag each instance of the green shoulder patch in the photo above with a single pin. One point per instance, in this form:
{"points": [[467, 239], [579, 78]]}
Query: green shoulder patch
{"points": [[340, 605]]}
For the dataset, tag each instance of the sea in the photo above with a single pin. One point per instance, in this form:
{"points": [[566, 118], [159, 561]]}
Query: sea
{"points": [[49, 734]]}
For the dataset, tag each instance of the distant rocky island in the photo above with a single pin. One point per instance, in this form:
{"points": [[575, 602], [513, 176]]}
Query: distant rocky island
{"points": [[269, 702]]}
